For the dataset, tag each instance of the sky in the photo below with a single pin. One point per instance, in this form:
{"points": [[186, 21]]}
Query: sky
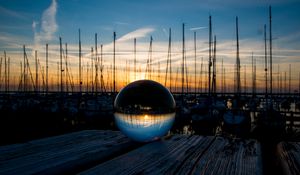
{"points": [[37, 23]]}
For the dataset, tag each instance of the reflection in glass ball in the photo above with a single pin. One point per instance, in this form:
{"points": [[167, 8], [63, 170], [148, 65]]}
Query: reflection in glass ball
{"points": [[144, 110]]}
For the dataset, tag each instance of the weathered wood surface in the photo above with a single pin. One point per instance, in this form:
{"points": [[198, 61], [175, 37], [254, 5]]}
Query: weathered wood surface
{"points": [[69, 153], [183, 154], [288, 154], [110, 152]]}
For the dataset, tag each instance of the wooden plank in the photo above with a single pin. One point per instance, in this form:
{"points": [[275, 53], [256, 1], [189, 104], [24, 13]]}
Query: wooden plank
{"points": [[230, 156], [288, 154], [68, 153], [187, 155]]}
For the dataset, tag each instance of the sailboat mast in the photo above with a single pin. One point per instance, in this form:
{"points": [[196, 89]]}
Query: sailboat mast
{"points": [[195, 52], [222, 80], [245, 79], [253, 76], [266, 61], [1, 70], [182, 68], [168, 62], [183, 62], [47, 87], [285, 86], [61, 68], [214, 85], [278, 78], [92, 70], [158, 71], [24, 69], [8, 72], [67, 70], [96, 64], [290, 76], [36, 73], [238, 78], [101, 69], [201, 66], [209, 57], [170, 58], [134, 58], [271, 65], [5, 72], [80, 80], [150, 62], [114, 71]]}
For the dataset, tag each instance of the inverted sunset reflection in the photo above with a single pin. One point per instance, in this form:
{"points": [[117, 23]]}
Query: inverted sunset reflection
{"points": [[144, 127]]}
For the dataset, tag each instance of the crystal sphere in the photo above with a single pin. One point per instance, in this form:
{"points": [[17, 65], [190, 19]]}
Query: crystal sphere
{"points": [[144, 110]]}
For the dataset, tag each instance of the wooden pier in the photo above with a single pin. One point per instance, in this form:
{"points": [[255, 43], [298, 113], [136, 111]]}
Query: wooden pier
{"points": [[110, 152], [289, 157]]}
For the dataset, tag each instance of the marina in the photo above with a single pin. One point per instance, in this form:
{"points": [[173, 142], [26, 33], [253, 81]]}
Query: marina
{"points": [[182, 99]]}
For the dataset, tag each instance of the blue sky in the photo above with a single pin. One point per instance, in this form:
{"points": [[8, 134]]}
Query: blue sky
{"points": [[35, 23]]}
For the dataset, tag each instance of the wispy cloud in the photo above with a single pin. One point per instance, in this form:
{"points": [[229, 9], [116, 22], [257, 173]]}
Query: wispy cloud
{"points": [[12, 13], [197, 28], [11, 42], [139, 33], [121, 23], [46, 28]]}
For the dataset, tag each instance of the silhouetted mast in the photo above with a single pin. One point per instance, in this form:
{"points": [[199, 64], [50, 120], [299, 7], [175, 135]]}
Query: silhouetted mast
{"points": [[57, 80], [1, 71], [92, 69], [238, 78], [222, 80], [80, 80], [134, 58], [266, 60], [290, 77], [169, 67], [36, 73], [209, 57], [280, 83], [245, 79], [5, 72], [87, 78], [278, 79], [47, 87], [253, 76], [24, 69], [150, 58], [61, 68], [28, 69], [158, 71], [271, 65], [8, 72], [67, 76], [285, 86], [96, 64], [201, 71], [114, 71], [102, 86], [195, 54], [183, 63], [214, 81]]}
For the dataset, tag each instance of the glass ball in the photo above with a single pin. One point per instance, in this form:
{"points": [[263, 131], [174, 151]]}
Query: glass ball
{"points": [[144, 110]]}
